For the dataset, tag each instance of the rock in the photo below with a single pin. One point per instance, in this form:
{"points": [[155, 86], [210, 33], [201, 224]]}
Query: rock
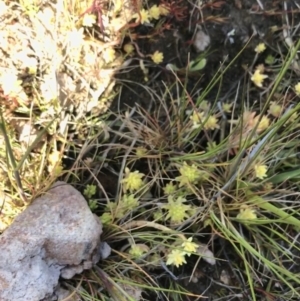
{"points": [[201, 41], [56, 236]]}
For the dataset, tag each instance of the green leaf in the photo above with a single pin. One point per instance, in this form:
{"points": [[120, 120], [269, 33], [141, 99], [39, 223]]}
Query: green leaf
{"points": [[197, 65], [285, 217], [285, 176]]}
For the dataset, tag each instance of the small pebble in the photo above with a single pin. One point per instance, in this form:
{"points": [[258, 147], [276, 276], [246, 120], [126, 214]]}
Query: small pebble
{"points": [[201, 41]]}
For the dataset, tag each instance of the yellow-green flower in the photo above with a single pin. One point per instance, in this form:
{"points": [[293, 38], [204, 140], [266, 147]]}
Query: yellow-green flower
{"points": [[211, 145], [143, 16], [93, 204], [204, 105], [128, 48], [115, 209], [297, 89], [189, 247], [227, 107], [211, 123], [275, 109], [138, 250], [258, 78], [129, 202], [90, 191], [109, 55], [197, 117], [176, 257], [163, 10], [247, 213], [154, 12], [260, 171], [264, 123], [293, 117], [261, 47], [141, 152], [189, 174], [170, 188], [157, 57], [106, 218], [133, 180], [177, 210], [158, 215]]}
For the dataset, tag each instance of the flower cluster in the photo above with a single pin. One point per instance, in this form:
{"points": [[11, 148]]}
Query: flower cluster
{"points": [[126, 204], [209, 122], [189, 247], [260, 171], [247, 213], [141, 152], [177, 256], [275, 109], [157, 57], [263, 123], [261, 47], [190, 174], [90, 191], [251, 121], [155, 11], [132, 181], [246, 124], [170, 188], [177, 211]]}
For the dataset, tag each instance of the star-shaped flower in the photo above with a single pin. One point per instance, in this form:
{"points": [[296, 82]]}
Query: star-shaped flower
{"points": [[189, 247], [297, 89], [143, 16], [247, 213], [258, 78], [176, 257], [133, 180], [261, 47], [157, 57], [177, 210], [260, 171]]}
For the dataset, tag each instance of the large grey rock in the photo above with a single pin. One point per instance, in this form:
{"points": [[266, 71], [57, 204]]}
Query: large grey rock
{"points": [[57, 235]]}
